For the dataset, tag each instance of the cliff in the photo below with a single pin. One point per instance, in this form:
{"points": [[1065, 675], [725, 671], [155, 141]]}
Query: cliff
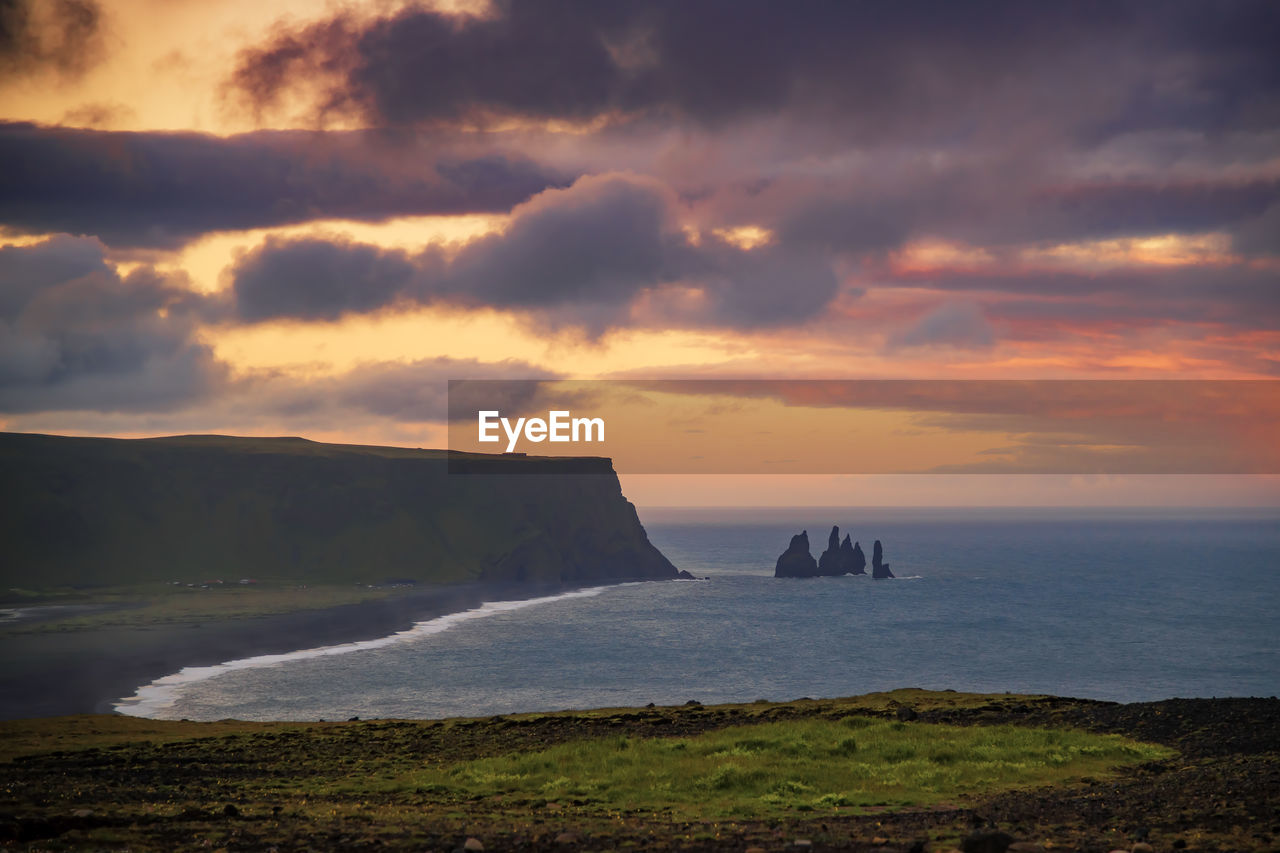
{"points": [[840, 558], [95, 511], [856, 560], [832, 561], [796, 561], [879, 568]]}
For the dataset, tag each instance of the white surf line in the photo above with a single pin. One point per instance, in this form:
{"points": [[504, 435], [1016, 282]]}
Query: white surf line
{"points": [[164, 692]]}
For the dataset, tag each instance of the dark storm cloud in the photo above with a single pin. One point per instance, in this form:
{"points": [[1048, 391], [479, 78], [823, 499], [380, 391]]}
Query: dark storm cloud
{"points": [[575, 257], [930, 69], [62, 35], [162, 189], [75, 335]]}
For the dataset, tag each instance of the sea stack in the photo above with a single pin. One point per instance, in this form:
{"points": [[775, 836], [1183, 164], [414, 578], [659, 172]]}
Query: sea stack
{"points": [[857, 559], [879, 568], [796, 561], [831, 563]]}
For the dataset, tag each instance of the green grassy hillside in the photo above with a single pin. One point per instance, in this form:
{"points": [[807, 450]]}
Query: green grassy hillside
{"points": [[94, 511]]}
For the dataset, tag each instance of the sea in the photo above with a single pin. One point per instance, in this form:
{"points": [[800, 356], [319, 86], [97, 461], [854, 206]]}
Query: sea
{"points": [[1114, 604]]}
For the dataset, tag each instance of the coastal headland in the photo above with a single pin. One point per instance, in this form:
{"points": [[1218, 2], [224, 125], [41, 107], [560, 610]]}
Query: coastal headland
{"points": [[128, 560]]}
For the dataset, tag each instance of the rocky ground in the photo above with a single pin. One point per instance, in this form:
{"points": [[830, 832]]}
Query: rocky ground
{"points": [[247, 788]]}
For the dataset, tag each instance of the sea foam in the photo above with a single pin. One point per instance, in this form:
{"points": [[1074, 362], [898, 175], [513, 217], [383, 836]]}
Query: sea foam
{"points": [[160, 695]]}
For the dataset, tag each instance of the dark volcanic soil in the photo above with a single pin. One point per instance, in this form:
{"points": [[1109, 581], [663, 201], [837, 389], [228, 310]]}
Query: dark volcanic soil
{"points": [[1221, 792]]}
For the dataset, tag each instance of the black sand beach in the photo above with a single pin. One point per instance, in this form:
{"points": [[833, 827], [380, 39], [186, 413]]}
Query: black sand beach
{"points": [[86, 671]]}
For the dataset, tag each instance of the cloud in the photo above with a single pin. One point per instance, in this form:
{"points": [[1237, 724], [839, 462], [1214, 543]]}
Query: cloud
{"points": [[76, 335], [98, 114], [1119, 208], [59, 35], [1239, 295], [1260, 236], [927, 69], [576, 257], [953, 324], [318, 280], [1024, 426], [162, 189], [877, 203], [410, 392]]}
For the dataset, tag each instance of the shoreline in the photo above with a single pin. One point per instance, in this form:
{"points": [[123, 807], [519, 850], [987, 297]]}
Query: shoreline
{"points": [[91, 671]]}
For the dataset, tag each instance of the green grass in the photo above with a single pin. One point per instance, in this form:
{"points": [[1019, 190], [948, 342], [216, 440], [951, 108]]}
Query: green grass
{"points": [[773, 768], [827, 769]]}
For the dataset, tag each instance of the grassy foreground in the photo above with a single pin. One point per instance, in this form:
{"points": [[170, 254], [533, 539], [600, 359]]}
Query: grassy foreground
{"points": [[772, 769], [841, 774]]}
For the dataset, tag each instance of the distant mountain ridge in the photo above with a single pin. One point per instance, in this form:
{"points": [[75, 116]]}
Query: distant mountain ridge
{"points": [[100, 511]]}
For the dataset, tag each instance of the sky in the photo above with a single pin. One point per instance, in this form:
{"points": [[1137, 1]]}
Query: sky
{"points": [[289, 217]]}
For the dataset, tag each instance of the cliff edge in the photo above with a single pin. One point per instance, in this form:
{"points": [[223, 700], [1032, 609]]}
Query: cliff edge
{"points": [[97, 511]]}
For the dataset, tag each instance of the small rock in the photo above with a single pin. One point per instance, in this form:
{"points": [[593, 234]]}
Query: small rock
{"points": [[473, 844], [879, 841], [353, 719], [987, 842], [82, 813], [693, 703], [906, 713], [229, 810], [566, 838], [651, 705]]}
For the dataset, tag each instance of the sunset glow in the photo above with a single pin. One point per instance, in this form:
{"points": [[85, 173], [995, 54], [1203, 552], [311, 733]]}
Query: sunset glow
{"points": [[227, 213]]}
